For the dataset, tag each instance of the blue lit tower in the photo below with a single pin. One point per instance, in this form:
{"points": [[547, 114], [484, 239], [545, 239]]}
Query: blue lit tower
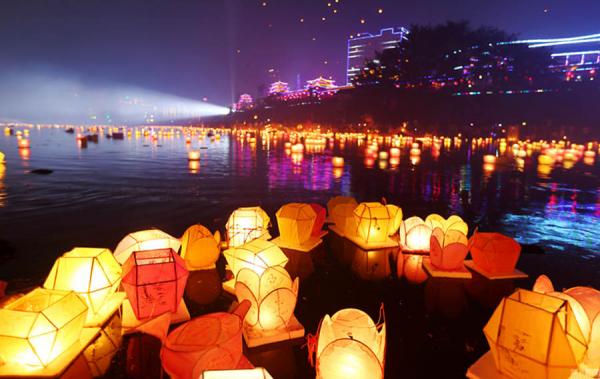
{"points": [[364, 46]]}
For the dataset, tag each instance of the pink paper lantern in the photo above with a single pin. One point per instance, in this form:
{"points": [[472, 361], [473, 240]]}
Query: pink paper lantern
{"points": [[154, 281]]}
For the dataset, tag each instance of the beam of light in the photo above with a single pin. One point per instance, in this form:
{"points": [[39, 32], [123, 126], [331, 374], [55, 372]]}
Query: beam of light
{"points": [[51, 96]]}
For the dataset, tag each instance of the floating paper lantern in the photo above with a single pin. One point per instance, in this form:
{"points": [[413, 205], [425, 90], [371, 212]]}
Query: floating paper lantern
{"points": [[194, 155], [453, 222], [209, 342], [448, 249], [494, 253], [272, 294], [92, 273], [154, 281], [350, 345], [319, 220], [23, 143], [247, 224], [337, 162], [295, 221], [38, 327], [2, 157], [254, 373], [150, 239], [199, 247], [374, 221], [415, 235], [489, 159], [534, 335], [343, 217], [256, 255]]}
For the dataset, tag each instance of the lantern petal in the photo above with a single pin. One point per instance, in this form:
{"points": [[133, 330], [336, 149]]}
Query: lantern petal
{"points": [[276, 309], [243, 292]]}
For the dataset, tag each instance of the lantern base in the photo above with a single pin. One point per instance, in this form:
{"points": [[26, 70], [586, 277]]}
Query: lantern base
{"points": [[58, 366], [306, 247], [516, 274], [461, 273], [108, 309], [485, 368], [258, 337], [357, 240], [130, 323]]}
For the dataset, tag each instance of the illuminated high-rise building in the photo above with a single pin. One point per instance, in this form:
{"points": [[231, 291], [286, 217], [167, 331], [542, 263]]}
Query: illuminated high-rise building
{"points": [[364, 46]]}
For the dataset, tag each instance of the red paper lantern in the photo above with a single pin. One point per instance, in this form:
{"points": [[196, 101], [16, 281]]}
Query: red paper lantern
{"points": [[319, 221], [154, 281], [495, 253]]}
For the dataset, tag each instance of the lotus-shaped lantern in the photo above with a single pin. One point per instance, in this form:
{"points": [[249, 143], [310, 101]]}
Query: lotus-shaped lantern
{"points": [[448, 249], [415, 234], [350, 345], [272, 294]]}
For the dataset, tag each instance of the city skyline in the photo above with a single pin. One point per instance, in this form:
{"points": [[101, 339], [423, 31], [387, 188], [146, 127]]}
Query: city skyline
{"points": [[218, 51]]}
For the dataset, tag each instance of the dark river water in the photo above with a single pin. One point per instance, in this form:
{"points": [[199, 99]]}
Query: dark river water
{"points": [[95, 196]]}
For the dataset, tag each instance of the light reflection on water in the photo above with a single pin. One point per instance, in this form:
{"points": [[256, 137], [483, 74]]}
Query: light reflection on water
{"points": [[98, 194]]}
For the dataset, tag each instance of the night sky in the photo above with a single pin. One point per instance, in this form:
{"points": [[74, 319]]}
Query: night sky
{"points": [[219, 49]]}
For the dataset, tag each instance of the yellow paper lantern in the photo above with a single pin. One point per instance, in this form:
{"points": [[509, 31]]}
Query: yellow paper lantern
{"points": [[295, 221], [272, 294], [534, 335], [36, 328], [93, 273], [373, 221], [256, 255], [350, 345], [247, 224], [151, 239], [199, 247]]}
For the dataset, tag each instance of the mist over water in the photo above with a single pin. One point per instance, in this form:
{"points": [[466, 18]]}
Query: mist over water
{"points": [[54, 96]]}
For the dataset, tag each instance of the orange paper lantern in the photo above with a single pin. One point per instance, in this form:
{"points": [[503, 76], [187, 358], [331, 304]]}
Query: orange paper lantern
{"points": [[494, 253], [209, 342], [154, 281], [199, 247]]}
